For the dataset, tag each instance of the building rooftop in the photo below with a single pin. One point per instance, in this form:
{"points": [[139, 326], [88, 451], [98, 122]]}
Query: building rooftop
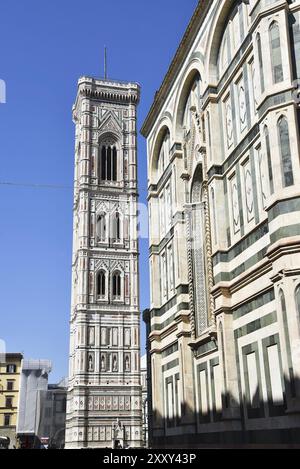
{"points": [[10, 356], [45, 365]]}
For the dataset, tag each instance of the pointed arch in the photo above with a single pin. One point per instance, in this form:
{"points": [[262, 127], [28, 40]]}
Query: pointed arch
{"points": [[160, 153], [117, 229], [101, 227], [219, 42], [198, 251], [101, 283], [116, 285], [196, 186], [276, 55], [109, 162], [189, 95], [285, 152], [260, 63]]}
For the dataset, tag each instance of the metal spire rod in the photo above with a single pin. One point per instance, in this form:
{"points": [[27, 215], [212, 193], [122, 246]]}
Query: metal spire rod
{"points": [[105, 63]]}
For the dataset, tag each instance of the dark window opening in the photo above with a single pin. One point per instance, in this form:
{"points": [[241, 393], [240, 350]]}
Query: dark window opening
{"points": [[117, 285], [109, 163], [101, 287]]}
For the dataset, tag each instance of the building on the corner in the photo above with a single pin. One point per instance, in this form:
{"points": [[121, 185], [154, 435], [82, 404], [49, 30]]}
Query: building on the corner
{"points": [[33, 384], [52, 424], [10, 370], [104, 399], [224, 201]]}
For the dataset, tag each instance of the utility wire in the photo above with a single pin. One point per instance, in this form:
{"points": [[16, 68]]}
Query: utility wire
{"points": [[44, 186]]}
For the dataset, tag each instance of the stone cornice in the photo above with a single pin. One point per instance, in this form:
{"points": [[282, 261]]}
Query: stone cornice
{"points": [[108, 90], [180, 56]]}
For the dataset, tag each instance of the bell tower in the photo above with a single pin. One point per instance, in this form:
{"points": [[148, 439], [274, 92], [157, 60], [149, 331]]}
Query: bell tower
{"points": [[104, 399]]}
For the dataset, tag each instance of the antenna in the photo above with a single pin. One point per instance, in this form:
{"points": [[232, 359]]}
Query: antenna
{"points": [[105, 63]]}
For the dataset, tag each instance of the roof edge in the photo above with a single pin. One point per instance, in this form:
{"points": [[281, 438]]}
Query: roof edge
{"points": [[180, 56]]}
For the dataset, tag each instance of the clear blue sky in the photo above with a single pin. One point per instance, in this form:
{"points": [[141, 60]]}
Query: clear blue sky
{"points": [[45, 46]]}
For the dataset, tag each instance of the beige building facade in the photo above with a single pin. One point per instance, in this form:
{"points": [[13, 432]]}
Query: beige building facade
{"points": [[104, 408], [10, 371], [224, 203]]}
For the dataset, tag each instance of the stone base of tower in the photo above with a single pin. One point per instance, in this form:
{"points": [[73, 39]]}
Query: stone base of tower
{"points": [[89, 427]]}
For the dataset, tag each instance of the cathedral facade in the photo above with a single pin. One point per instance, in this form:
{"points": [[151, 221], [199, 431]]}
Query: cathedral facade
{"points": [[224, 203], [104, 401]]}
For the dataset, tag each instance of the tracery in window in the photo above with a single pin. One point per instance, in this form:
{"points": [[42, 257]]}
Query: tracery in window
{"points": [[109, 161]]}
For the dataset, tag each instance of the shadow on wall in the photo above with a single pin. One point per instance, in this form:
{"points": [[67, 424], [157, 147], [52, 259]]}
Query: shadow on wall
{"points": [[256, 423]]}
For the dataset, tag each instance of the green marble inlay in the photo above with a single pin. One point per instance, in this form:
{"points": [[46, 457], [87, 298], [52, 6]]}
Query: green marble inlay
{"points": [[172, 349], [159, 327], [256, 325], [285, 232], [283, 207], [242, 245], [228, 276], [206, 348], [254, 304], [170, 365]]}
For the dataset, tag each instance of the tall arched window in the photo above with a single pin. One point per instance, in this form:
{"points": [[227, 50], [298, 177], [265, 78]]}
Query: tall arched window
{"points": [[276, 57], [192, 100], [163, 158], [261, 65], [198, 252], [109, 162], [116, 285], [285, 151], [101, 284], [269, 160], [101, 227], [116, 228]]}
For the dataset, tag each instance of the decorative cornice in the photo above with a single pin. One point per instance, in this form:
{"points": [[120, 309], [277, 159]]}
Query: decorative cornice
{"points": [[109, 90]]}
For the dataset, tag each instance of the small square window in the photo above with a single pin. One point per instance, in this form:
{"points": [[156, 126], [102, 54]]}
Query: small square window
{"points": [[11, 368]]}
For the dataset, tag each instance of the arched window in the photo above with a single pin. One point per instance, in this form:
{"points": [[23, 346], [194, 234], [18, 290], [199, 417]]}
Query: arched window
{"points": [[285, 151], [116, 285], [101, 284], [109, 162], [269, 160], [192, 100], [298, 301], [198, 252], [276, 57], [116, 228], [163, 157], [91, 363], [260, 61], [101, 227]]}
